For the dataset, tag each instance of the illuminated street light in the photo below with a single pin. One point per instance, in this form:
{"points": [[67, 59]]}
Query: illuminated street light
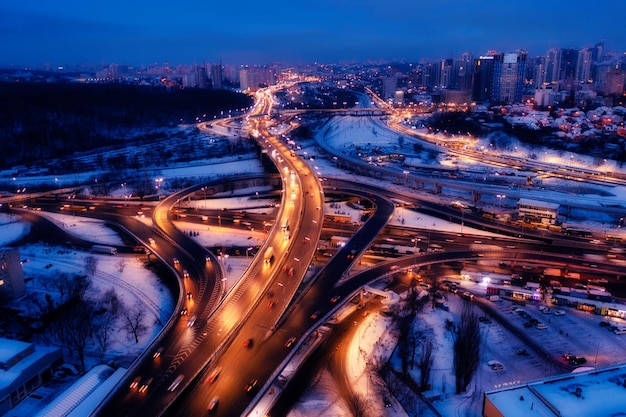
{"points": [[500, 196]]}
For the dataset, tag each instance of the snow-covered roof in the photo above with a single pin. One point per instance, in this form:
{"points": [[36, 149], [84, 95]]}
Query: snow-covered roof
{"points": [[30, 364], [538, 204], [64, 404], [591, 393], [10, 348]]}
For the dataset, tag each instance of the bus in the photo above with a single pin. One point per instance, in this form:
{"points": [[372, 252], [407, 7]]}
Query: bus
{"points": [[108, 250]]}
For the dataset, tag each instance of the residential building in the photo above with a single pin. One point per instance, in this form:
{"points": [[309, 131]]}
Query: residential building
{"points": [[24, 367], [11, 275]]}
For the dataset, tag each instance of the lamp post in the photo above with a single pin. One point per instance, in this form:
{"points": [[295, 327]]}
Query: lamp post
{"points": [[406, 176], [500, 196]]}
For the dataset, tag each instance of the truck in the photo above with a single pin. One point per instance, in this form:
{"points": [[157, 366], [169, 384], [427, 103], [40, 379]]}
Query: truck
{"points": [[268, 257], [108, 250]]}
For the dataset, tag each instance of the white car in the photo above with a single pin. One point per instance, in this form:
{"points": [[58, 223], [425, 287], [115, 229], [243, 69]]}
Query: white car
{"points": [[213, 403], [541, 326], [559, 312]]}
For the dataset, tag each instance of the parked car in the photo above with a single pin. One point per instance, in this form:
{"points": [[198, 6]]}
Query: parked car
{"points": [[559, 312], [577, 360], [541, 326]]}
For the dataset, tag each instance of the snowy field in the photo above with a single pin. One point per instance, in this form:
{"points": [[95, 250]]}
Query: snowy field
{"points": [[582, 334]]}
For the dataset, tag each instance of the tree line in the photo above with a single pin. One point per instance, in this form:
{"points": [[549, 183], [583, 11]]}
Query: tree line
{"points": [[51, 120]]}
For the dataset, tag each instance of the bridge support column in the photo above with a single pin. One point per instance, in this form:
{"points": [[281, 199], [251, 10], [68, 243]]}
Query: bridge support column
{"points": [[475, 197]]}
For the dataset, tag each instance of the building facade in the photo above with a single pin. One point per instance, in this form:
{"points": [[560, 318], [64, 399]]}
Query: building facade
{"points": [[11, 274]]}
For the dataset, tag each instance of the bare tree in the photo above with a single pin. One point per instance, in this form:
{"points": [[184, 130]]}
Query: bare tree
{"points": [[466, 348], [121, 264], [109, 309], [406, 343], [91, 265], [425, 363], [357, 404], [134, 323], [78, 329]]}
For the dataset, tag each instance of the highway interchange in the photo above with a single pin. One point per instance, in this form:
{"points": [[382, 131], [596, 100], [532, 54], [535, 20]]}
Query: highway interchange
{"points": [[229, 345]]}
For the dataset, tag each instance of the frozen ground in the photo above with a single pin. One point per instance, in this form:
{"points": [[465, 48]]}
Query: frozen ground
{"points": [[498, 343]]}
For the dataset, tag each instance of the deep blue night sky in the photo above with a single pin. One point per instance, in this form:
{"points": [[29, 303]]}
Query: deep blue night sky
{"points": [[140, 32]]}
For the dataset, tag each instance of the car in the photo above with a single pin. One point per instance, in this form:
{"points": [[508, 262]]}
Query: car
{"points": [[176, 261], [214, 374], [289, 343], [386, 402], [335, 299], [213, 403], [189, 295], [604, 324], [315, 315], [568, 356], [135, 383], [247, 343], [192, 321], [540, 326], [546, 310], [559, 312], [250, 385], [185, 273], [271, 304], [183, 312], [528, 324], [468, 295], [144, 387], [495, 365], [152, 242], [157, 353], [577, 360], [175, 383], [484, 319]]}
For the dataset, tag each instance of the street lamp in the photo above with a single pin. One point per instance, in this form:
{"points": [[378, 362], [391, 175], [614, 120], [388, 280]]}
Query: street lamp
{"points": [[500, 196], [406, 176]]}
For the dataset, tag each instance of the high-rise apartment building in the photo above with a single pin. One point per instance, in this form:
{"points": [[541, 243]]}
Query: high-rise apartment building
{"points": [[216, 76], [583, 65], [483, 77], [508, 77], [389, 86]]}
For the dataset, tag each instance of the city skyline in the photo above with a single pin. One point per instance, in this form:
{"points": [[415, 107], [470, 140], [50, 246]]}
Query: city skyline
{"points": [[144, 33]]}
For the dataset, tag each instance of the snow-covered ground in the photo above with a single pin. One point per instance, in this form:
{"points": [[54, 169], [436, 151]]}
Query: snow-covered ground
{"points": [[377, 339]]}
